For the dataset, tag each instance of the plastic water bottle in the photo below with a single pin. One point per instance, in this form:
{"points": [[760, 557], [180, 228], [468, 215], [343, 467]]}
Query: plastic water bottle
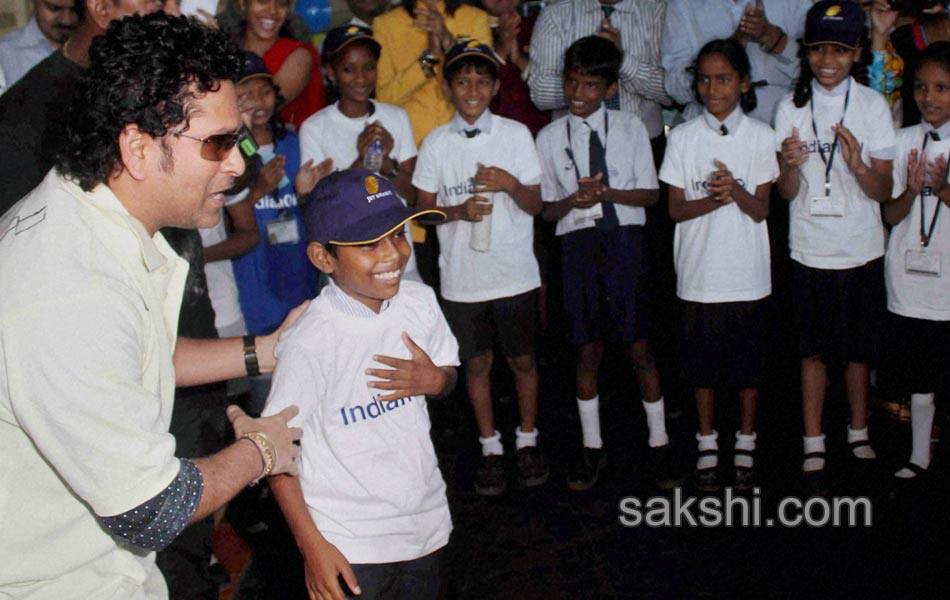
{"points": [[481, 230], [373, 159]]}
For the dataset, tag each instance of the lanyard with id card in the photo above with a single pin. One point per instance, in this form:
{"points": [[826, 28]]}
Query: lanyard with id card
{"points": [[283, 229], [923, 261], [827, 205]]}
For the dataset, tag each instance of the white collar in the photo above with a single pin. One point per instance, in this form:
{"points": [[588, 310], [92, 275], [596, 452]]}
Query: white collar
{"points": [[483, 124], [595, 120], [731, 122], [943, 132], [839, 90], [347, 304], [340, 115]]}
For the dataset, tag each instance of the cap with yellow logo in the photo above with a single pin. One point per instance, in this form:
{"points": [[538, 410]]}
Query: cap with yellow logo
{"points": [[838, 22]]}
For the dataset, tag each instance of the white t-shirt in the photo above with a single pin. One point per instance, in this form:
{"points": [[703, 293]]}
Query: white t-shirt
{"points": [[88, 321], [629, 162], [722, 256], [914, 295], [368, 471], [222, 287], [330, 134], [447, 163], [828, 242]]}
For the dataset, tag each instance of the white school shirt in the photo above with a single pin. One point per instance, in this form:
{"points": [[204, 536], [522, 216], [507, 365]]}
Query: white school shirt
{"points": [[448, 161], [629, 161], [913, 295], [858, 237], [368, 470], [722, 256], [329, 133]]}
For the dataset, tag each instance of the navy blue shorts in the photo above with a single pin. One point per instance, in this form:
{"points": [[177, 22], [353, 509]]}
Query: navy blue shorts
{"points": [[840, 312], [724, 343], [476, 325], [416, 579], [602, 272], [917, 355]]}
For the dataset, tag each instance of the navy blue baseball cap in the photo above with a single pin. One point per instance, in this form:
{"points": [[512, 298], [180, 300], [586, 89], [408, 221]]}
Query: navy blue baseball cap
{"points": [[356, 207], [340, 37], [472, 48], [254, 67], [834, 22]]}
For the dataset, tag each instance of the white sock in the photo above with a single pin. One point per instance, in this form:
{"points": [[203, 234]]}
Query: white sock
{"points": [[589, 411], [744, 442], [492, 445], [525, 439], [814, 444], [656, 423], [921, 424], [708, 442], [860, 435]]}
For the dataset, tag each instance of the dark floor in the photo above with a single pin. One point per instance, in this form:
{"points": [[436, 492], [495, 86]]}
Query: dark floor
{"points": [[550, 543]]}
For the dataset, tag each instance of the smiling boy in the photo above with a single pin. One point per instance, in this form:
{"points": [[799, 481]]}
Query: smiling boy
{"points": [[370, 505], [490, 292]]}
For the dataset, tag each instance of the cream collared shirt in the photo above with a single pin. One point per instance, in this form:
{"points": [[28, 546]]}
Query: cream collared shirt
{"points": [[88, 320]]}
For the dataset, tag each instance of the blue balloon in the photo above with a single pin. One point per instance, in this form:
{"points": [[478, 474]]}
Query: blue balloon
{"points": [[316, 13]]}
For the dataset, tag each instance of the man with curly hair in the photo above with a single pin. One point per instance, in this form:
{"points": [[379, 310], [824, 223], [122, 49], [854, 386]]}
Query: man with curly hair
{"points": [[89, 358]]}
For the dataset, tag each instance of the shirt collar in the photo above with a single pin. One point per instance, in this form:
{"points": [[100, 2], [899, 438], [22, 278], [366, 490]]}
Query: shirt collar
{"points": [[347, 304], [104, 199], [484, 122], [595, 5], [840, 90], [943, 132], [731, 121], [360, 22], [595, 120]]}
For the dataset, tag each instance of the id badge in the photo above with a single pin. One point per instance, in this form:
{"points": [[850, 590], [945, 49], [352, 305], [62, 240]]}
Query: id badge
{"points": [[582, 215], [826, 206], [282, 231], [922, 262]]}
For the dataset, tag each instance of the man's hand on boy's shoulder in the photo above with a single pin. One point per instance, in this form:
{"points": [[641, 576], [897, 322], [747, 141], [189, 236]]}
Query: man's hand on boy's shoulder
{"points": [[417, 376]]}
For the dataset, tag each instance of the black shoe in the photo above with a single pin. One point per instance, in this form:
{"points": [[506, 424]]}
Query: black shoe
{"points": [[745, 476], [490, 477], [815, 482], [532, 470], [707, 480], [585, 470], [662, 464]]}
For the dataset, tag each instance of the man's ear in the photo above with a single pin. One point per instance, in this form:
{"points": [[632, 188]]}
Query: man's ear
{"points": [[101, 12], [321, 258], [612, 89], [134, 148]]}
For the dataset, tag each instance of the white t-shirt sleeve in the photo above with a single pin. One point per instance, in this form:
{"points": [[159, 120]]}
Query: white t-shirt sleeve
{"points": [[671, 171], [882, 142], [309, 136], [426, 175], [443, 349], [528, 165], [85, 408], [899, 170], [549, 185], [296, 381], [766, 167], [783, 124], [405, 141], [644, 169]]}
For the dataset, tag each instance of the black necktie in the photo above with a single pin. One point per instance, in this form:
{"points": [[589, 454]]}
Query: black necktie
{"points": [[470, 133], [612, 102], [934, 135], [598, 164], [723, 130]]}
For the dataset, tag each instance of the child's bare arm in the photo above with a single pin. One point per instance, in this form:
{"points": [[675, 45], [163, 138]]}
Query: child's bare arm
{"points": [[411, 377], [725, 188], [323, 562], [631, 197], [681, 210], [496, 179], [589, 193]]}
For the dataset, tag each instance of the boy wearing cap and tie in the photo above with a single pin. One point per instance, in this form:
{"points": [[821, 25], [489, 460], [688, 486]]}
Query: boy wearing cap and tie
{"points": [[489, 274], [370, 503]]}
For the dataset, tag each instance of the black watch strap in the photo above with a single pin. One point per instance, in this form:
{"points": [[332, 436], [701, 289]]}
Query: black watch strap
{"points": [[250, 357]]}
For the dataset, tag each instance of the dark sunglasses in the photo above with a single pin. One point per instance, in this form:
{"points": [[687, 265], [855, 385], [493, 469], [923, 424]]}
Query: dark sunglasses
{"points": [[216, 147]]}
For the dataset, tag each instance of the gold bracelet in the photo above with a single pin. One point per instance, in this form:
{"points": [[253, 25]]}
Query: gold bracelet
{"points": [[268, 452]]}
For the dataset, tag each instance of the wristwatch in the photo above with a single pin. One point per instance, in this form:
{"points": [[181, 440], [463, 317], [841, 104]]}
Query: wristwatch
{"points": [[428, 61]]}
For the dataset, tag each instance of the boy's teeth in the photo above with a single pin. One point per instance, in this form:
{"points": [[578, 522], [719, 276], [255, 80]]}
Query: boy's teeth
{"points": [[387, 275]]}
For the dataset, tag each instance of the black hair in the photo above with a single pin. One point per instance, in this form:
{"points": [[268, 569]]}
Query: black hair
{"points": [[450, 6], [802, 94], [937, 53], [477, 62], [593, 55], [146, 70], [733, 51]]}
